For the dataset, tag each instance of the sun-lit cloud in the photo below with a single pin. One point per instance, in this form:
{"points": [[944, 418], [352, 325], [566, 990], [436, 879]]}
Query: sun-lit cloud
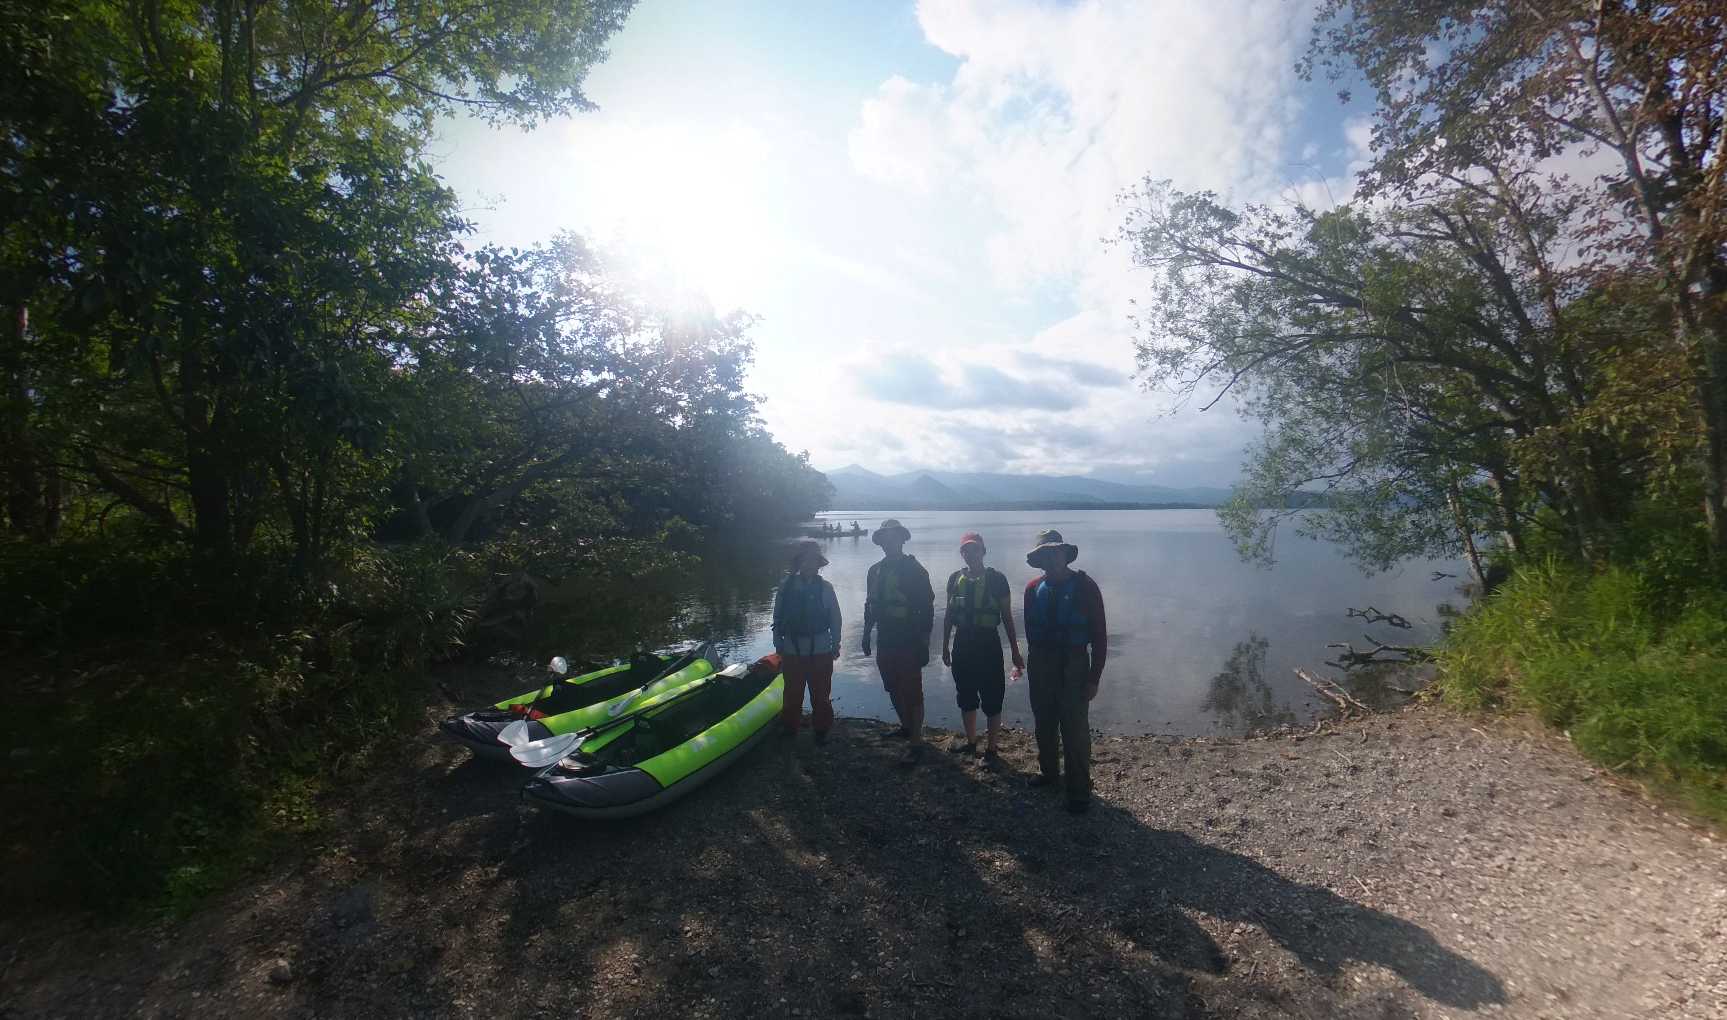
{"points": [[921, 231]]}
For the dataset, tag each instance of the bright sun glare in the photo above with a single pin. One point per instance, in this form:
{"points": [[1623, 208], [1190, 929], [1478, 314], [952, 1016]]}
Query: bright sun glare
{"points": [[692, 208]]}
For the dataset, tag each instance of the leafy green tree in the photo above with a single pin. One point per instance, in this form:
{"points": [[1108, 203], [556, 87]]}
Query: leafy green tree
{"points": [[1405, 360], [1496, 97], [220, 214]]}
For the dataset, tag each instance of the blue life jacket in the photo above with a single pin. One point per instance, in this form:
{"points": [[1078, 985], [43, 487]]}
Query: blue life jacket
{"points": [[1055, 616], [804, 609]]}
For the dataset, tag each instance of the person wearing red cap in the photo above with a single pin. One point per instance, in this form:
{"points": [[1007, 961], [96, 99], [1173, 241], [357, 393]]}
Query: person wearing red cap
{"points": [[979, 604], [807, 636]]}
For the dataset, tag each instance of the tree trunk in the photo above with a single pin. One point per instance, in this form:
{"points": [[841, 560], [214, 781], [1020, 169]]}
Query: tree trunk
{"points": [[1466, 531], [1505, 503], [1712, 396], [22, 479]]}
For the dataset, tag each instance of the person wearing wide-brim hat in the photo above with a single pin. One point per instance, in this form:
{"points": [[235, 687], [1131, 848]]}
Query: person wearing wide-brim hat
{"points": [[899, 606], [979, 605], [1067, 642], [807, 636]]}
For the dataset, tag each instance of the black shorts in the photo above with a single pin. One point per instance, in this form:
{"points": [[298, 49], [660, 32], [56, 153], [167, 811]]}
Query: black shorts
{"points": [[979, 675]]}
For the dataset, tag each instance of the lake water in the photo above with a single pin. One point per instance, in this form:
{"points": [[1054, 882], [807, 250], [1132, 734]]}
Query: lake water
{"points": [[1199, 642]]}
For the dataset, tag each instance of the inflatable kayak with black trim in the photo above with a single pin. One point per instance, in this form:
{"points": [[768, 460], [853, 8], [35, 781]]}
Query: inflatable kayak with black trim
{"points": [[663, 750], [577, 703]]}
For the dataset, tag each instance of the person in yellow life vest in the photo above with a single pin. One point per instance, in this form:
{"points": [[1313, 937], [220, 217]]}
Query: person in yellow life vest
{"points": [[900, 608], [979, 605]]}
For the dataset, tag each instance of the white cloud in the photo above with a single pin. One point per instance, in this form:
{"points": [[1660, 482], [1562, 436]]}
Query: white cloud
{"points": [[1057, 108]]}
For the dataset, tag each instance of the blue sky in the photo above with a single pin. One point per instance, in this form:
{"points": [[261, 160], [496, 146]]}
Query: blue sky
{"points": [[912, 198]]}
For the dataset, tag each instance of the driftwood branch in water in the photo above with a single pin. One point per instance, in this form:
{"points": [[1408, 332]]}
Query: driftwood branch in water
{"points": [[1329, 688], [1372, 615], [1440, 575], [1352, 658]]}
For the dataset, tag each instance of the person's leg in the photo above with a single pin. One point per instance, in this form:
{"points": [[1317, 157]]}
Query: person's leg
{"points": [[911, 692], [792, 705], [1076, 728], [884, 664], [992, 690], [1044, 681], [821, 684], [965, 695]]}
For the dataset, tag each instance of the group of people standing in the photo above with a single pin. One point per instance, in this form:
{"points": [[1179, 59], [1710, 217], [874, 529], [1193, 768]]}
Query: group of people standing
{"points": [[1065, 635]]}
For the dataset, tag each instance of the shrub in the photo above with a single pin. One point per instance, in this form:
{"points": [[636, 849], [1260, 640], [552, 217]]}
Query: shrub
{"points": [[1640, 687]]}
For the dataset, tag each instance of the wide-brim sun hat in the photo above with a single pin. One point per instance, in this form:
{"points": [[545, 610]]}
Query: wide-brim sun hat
{"points": [[804, 548], [970, 538], [1052, 539], [891, 526]]}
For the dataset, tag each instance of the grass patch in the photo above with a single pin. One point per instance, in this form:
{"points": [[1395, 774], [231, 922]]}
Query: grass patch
{"points": [[1636, 674]]}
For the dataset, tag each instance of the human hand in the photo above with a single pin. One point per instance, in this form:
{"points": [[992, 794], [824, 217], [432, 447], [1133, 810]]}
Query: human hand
{"points": [[947, 657], [836, 655], [866, 646], [1013, 677], [1018, 660], [1091, 690]]}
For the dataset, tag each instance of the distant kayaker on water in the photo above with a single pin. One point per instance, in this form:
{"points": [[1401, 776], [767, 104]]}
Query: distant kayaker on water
{"points": [[1067, 642], [979, 604], [900, 607], [807, 636]]}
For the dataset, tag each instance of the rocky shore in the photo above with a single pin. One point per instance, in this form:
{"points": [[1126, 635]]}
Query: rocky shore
{"points": [[1413, 864]]}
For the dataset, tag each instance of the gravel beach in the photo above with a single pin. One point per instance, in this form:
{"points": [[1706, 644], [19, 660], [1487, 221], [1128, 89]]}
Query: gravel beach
{"points": [[1413, 864]]}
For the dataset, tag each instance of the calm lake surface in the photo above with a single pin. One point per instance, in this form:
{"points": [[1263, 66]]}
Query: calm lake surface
{"points": [[1199, 642]]}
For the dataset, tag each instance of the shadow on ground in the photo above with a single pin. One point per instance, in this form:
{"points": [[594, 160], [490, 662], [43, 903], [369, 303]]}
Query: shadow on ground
{"points": [[824, 882]]}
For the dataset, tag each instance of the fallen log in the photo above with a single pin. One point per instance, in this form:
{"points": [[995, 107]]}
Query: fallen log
{"points": [[1331, 690], [1373, 615]]}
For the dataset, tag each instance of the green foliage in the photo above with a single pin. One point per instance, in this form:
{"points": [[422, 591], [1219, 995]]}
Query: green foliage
{"points": [[272, 440], [1635, 673]]}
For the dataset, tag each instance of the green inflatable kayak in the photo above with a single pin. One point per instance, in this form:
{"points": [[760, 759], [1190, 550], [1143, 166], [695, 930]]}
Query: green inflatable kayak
{"points": [[569, 704], [664, 747]]}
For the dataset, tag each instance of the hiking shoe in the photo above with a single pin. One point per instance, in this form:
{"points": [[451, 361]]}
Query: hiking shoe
{"points": [[913, 755], [1078, 807], [962, 746], [900, 734], [821, 736], [991, 757], [1042, 780]]}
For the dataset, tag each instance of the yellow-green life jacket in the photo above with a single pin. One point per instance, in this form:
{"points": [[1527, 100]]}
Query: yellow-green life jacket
{"points": [[971, 602]]}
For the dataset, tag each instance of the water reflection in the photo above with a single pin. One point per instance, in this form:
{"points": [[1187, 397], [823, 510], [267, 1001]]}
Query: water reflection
{"points": [[1239, 696]]}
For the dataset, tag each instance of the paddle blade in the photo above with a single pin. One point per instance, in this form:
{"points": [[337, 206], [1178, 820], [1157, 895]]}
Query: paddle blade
{"points": [[515, 734], [537, 754]]}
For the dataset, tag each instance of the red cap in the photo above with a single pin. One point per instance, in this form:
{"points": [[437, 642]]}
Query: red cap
{"points": [[970, 537]]}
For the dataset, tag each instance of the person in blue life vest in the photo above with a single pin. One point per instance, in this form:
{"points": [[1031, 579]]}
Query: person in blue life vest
{"points": [[979, 605], [807, 637], [1067, 642], [899, 606]]}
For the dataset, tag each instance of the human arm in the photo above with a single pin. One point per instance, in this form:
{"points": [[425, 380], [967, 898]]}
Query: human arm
{"points": [[869, 611], [947, 626], [779, 619], [836, 622], [1099, 631], [1005, 598], [929, 610]]}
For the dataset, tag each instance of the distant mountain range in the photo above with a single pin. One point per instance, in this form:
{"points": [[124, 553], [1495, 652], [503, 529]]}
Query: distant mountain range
{"points": [[857, 488]]}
